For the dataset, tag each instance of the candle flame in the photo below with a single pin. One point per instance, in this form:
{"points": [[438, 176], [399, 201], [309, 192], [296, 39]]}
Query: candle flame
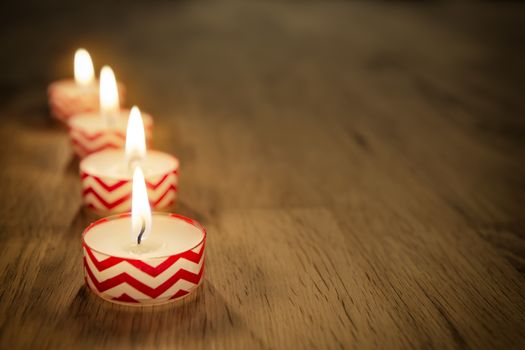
{"points": [[135, 138], [109, 100], [140, 208], [84, 71]]}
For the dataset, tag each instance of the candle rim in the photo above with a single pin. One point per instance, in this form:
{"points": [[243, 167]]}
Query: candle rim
{"points": [[82, 165], [186, 219]]}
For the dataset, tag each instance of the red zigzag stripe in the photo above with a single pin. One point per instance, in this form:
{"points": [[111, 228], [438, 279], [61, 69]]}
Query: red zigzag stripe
{"points": [[124, 198], [86, 150], [153, 271], [161, 181], [143, 288], [102, 201], [111, 188], [95, 136], [171, 188], [127, 299]]}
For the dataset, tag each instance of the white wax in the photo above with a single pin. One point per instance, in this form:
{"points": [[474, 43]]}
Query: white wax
{"points": [[113, 164], [169, 236], [94, 121]]}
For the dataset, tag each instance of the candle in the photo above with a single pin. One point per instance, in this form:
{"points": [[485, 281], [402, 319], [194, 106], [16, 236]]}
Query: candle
{"points": [[106, 175], [143, 259], [92, 132], [68, 97]]}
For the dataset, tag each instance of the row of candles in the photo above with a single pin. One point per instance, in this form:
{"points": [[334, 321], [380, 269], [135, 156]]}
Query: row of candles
{"points": [[133, 257]]}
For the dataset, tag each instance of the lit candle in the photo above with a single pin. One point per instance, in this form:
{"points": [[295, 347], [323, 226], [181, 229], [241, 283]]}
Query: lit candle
{"points": [[106, 175], [161, 262], [96, 131], [73, 96]]}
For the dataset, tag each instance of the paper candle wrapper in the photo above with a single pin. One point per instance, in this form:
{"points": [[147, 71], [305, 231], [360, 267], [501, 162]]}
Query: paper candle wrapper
{"points": [[86, 142], [144, 282], [109, 195], [67, 99]]}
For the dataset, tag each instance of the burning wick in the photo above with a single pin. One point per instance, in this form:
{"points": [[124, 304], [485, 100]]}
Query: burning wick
{"points": [[142, 230]]}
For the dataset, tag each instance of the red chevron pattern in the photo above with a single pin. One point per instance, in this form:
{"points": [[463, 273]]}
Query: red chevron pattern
{"points": [[109, 195], [66, 99], [151, 281], [87, 143]]}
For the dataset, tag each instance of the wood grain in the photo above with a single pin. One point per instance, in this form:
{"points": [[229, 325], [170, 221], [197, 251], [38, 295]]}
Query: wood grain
{"points": [[358, 166]]}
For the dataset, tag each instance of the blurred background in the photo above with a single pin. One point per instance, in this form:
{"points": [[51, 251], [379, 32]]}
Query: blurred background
{"points": [[180, 40]]}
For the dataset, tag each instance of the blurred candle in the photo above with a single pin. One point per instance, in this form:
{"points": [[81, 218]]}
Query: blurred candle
{"points": [[73, 96], [92, 132]]}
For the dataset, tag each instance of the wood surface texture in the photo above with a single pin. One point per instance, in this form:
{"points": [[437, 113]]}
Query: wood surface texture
{"points": [[359, 167]]}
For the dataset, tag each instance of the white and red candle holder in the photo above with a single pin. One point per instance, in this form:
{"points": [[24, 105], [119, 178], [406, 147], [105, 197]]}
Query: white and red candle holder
{"points": [[144, 281], [67, 98], [86, 141], [112, 194]]}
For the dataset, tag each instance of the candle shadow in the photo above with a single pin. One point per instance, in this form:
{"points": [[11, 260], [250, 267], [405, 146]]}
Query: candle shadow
{"points": [[204, 313]]}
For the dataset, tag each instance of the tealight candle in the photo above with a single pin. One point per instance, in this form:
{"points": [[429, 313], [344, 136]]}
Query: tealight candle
{"points": [[162, 261], [106, 175], [68, 97], [92, 132]]}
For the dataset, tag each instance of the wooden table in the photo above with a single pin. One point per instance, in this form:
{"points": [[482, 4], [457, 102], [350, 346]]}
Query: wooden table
{"points": [[359, 168]]}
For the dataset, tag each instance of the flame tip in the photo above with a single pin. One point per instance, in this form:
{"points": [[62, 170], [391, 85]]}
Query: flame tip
{"points": [[135, 137], [83, 67], [109, 98]]}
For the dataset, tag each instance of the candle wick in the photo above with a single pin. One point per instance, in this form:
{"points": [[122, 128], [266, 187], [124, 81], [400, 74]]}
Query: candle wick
{"points": [[142, 230]]}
